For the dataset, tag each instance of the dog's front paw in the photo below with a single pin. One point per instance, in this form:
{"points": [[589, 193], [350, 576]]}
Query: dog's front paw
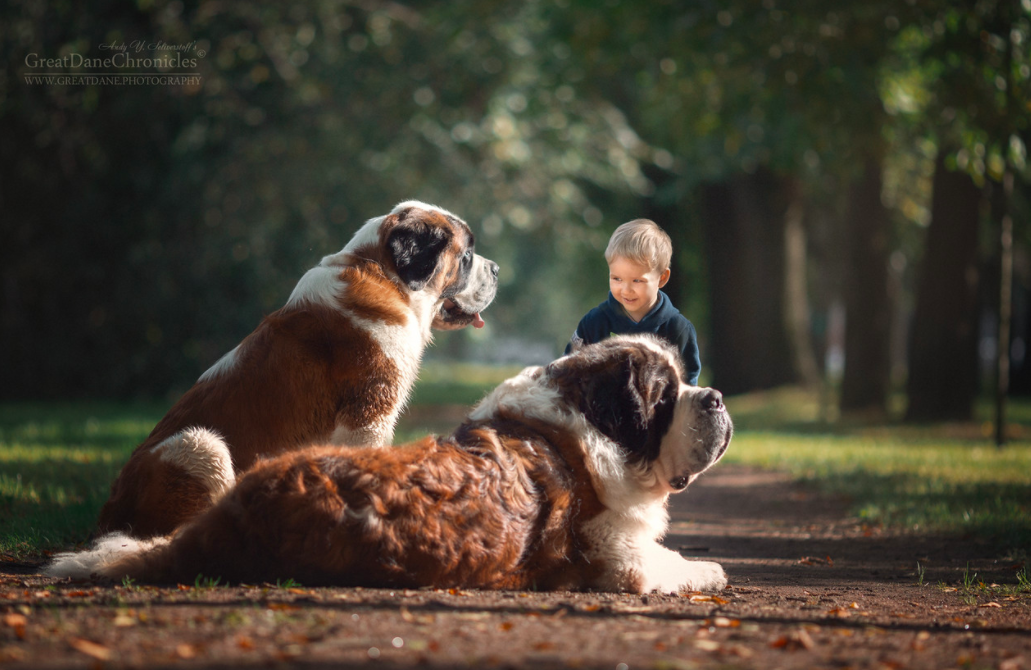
{"points": [[703, 576], [669, 572]]}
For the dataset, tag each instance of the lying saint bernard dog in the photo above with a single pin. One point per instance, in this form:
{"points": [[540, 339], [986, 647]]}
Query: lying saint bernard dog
{"points": [[335, 365], [557, 480]]}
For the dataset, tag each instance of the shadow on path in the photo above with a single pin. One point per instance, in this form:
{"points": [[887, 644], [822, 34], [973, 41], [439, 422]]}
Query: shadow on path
{"points": [[767, 530]]}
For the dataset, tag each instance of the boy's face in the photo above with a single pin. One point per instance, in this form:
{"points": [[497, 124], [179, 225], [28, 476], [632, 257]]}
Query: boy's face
{"points": [[635, 286]]}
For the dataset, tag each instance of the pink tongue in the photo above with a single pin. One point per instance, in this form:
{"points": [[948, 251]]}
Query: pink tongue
{"points": [[477, 321]]}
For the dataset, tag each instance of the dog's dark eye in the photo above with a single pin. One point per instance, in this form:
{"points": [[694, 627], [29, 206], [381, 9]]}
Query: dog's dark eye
{"points": [[468, 255]]}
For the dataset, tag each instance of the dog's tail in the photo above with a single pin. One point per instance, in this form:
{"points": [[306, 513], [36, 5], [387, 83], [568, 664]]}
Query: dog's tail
{"points": [[203, 456], [115, 556]]}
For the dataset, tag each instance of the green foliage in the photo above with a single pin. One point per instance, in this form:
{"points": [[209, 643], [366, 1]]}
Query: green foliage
{"points": [[178, 216]]}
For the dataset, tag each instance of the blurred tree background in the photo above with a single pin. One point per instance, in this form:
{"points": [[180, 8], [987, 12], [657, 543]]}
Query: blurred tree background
{"points": [[832, 178]]}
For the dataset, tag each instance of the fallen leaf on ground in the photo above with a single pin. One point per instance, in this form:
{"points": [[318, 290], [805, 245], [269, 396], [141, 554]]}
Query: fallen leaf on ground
{"points": [[813, 560], [124, 620], [78, 594], [739, 650], [795, 641], [992, 604], [91, 649], [17, 623], [723, 622]]}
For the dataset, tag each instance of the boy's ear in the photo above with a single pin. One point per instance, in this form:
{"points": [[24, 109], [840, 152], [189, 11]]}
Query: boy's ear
{"points": [[664, 277]]}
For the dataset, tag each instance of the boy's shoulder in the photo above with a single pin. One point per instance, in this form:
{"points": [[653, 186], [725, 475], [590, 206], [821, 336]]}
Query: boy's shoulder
{"points": [[602, 314], [666, 311], [671, 323], [597, 324]]}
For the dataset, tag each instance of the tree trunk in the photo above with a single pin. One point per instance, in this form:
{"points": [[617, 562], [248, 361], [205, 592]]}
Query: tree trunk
{"points": [[744, 224], [797, 319], [943, 375], [864, 386]]}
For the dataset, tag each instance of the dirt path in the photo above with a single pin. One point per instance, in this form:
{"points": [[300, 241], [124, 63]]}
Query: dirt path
{"points": [[810, 588]]}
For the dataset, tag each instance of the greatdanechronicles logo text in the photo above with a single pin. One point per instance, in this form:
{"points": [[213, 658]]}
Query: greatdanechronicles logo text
{"points": [[134, 64]]}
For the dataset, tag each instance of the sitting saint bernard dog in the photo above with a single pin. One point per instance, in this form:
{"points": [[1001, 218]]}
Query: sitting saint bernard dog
{"points": [[333, 366], [557, 480]]}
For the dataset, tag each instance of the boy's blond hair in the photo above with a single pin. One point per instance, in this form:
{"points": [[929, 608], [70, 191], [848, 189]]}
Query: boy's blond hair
{"points": [[641, 241]]}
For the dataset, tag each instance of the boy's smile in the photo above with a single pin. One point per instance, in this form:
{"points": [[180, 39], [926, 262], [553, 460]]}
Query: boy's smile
{"points": [[635, 285]]}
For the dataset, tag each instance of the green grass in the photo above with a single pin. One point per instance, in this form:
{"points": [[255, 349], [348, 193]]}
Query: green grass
{"points": [[57, 461], [898, 480], [946, 478], [56, 464], [458, 383]]}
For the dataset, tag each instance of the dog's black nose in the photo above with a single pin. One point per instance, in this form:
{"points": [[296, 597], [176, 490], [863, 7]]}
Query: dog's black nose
{"points": [[711, 400], [493, 268], [679, 483]]}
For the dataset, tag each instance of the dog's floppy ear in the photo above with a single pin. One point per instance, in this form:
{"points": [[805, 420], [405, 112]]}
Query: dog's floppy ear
{"points": [[416, 247], [628, 393]]}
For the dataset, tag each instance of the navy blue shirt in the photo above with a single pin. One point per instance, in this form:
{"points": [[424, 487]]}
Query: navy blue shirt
{"points": [[610, 318]]}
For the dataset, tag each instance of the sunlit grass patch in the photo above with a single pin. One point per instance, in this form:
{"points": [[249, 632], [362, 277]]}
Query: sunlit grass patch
{"points": [[57, 461], [972, 589], [56, 465], [901, 479], [458, 383]]}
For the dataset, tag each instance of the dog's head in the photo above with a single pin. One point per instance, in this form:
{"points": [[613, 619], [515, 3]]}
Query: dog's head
{"points": [[432, 252], [631, 389]]}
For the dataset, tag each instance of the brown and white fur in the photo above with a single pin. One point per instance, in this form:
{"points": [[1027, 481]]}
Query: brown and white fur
{"points": [[335, 365], [558, 479]]}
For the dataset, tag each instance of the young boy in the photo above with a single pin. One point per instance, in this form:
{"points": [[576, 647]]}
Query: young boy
{"points": [[639, 254]]}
